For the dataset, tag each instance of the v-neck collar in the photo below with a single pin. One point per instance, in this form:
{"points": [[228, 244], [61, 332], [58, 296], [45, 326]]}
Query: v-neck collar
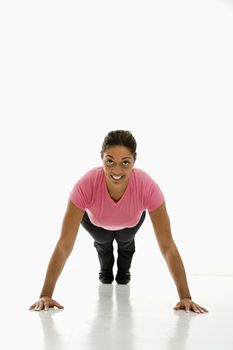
{"points": [[122, 197]]}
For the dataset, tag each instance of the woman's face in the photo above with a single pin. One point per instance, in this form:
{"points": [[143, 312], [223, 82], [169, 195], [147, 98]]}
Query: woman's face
{"points": [[118, 163]]}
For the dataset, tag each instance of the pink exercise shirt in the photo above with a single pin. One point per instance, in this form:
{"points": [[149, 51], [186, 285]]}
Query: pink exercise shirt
{"points": [[90, 194]]}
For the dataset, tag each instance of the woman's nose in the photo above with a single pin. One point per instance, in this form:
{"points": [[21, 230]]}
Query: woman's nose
{"points": [[117, 168]]}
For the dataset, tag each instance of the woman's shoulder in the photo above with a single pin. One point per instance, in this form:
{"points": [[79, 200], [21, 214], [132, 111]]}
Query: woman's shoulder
{"points": [[151, 192], [97, 170], [143, 176], [92, 174]]}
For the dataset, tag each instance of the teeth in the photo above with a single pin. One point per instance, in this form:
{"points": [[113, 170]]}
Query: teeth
{"points": [[117, 177]]}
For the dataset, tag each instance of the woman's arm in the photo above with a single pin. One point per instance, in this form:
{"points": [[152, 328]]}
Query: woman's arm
{"points": [[161, 224], [64, 246]]}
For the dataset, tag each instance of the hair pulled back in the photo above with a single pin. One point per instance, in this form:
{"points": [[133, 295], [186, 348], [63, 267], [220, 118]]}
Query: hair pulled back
{"points": [[119, 138]]}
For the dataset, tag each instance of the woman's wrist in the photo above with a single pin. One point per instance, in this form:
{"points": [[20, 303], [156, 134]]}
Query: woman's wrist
{"points": [[186, 297]]}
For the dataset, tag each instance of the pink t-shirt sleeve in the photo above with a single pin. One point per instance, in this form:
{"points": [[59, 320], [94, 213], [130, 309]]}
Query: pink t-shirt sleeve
{"points": [[153, 196], [81, 192]]}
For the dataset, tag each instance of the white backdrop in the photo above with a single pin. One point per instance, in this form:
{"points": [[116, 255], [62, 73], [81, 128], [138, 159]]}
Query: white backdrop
{"points": [[73, 70]]}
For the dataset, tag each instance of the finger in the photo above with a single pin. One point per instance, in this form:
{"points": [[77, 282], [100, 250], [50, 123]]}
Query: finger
{"points": [[202, 309], [59, 306], [177, 306], [41, 306], [46, 306], [36, 306], [32, 306], [187, 307], [195, 308]]}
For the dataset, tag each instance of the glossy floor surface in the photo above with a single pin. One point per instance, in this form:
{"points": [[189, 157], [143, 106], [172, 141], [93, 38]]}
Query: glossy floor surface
{"points": [[133, 317]]}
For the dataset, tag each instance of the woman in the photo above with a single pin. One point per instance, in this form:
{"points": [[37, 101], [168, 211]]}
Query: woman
{"points": [[110, 202]]}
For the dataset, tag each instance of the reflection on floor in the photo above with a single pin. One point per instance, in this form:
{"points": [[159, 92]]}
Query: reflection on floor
{"points": [[132, 317]]}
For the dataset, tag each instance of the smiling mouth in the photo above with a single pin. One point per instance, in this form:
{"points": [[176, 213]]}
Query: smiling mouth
{"points": [[117, 178]]}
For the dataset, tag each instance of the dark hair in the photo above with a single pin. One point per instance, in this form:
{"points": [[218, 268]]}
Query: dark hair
{"points": [[119, 138]]}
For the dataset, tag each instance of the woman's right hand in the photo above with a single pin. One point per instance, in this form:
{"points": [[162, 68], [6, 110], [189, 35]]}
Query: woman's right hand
{"points": [[44, 303]]}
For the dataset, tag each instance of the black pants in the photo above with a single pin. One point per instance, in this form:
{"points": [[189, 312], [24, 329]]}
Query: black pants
{"points": [[104, 243]]}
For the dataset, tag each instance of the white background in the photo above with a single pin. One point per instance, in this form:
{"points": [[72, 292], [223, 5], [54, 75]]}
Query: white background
{"points": [[73, 70]]}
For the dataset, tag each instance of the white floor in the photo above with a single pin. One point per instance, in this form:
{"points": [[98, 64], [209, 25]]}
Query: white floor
{"points": [[133, 317]]}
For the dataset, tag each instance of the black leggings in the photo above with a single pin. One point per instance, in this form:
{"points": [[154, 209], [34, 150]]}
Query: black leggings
{"points": [[103, 242]]}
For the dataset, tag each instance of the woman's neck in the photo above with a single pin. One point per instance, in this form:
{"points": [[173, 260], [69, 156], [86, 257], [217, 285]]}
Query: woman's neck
{"points": [[116, 192]]}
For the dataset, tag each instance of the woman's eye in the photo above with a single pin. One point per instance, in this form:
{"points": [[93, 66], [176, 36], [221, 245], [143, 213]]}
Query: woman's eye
{"points": [[109, 161], [125, 163]]}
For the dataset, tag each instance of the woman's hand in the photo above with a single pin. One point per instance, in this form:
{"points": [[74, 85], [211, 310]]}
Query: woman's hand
{"points": [[45, 303], [187, 304]]}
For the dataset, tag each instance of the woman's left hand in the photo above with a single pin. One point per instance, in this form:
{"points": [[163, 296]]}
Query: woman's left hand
{"points": [[187, 304]]}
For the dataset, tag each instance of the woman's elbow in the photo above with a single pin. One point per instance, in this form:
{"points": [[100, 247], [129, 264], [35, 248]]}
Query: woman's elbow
{"points": [[64, 248], [168, 248]]}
